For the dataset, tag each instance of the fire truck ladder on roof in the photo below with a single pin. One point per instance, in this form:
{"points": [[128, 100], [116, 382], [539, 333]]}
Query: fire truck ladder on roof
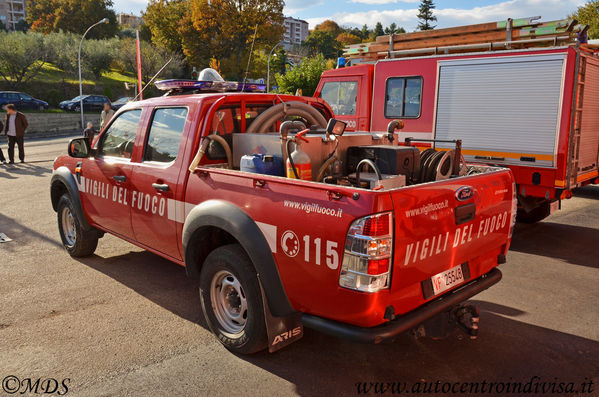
{"points": [[574, 144], [491, 36]]}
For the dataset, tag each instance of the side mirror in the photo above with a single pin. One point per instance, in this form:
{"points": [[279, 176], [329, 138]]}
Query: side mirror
{"points": [[79, 148], [336, 127]]}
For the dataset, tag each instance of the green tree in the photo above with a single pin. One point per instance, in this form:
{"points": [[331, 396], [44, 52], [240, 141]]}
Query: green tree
{"points": [[588, 14], [97, 55], [328, 26], [152, 59], [425, 15], [393, 29], [224, 30], [22, 56], [280, 62], [365, 32], [305, 76], [321, 42], [62, 52], [75, 16], [348, 38], [22, 26], [163, 19], [378, 30]]}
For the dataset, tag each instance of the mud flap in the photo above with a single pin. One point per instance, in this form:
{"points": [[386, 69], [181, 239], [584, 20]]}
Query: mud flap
{"points": [[281, 331]]}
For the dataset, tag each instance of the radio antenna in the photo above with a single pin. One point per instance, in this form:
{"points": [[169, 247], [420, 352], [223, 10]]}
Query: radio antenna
{"points": [[247, 69], [152, 79]]}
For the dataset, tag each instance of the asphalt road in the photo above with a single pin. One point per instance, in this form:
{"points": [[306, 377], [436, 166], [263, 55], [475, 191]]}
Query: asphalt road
{"points": [[126, 322]]}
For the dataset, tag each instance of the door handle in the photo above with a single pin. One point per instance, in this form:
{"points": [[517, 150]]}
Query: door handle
{"points": [[119, 178], [163, 187]]}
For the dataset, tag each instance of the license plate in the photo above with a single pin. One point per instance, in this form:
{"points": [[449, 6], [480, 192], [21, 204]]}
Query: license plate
{"points": [[553, 207], [447, 279]]}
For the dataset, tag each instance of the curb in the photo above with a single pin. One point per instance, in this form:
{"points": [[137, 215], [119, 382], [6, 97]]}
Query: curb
{"points": [[44, 135]]}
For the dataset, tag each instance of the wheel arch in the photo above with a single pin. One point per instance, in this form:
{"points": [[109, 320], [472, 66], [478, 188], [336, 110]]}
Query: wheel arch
{"points": [[63, 182], [220, 223]]}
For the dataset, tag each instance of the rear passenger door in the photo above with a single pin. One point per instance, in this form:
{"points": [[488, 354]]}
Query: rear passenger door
{"points": [[157, 202]]}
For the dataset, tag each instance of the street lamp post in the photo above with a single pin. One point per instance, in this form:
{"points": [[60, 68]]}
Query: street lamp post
{"points": [[105, 20], [268, 67]]}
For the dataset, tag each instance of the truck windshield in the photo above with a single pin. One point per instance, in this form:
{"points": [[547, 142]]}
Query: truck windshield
{"points": [[341, 95]]}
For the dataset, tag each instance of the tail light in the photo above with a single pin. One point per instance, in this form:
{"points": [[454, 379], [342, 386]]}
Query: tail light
{"points": [[367, 257], [514, 207], [513, 216]]}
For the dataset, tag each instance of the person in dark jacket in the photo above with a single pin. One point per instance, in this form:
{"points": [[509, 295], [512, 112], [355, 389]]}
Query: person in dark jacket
{"points": [[89, 133], [2, 158], [15, 126]]}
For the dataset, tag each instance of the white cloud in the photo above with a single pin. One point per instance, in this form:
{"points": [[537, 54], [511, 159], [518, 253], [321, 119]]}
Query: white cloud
{"points": [[548, 9]]}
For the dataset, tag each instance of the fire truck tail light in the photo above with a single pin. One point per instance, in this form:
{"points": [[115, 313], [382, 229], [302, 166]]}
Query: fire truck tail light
{"points": [[514, 208], [367, 256]]}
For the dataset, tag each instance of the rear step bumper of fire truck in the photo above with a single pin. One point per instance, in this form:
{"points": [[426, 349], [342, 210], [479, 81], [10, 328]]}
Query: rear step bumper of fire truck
{"points": [[407, 321]]}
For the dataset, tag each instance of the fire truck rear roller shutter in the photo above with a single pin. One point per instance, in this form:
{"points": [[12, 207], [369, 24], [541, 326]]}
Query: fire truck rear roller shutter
{"points": [[502, 106]]}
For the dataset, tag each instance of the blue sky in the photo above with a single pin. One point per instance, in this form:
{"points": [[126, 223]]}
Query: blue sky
{"points": [[403, 12]]}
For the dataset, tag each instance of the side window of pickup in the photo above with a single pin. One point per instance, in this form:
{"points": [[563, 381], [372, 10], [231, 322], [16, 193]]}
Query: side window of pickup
{"points": [[119, 139], [341, 96], [403, 97], [166, 131]]}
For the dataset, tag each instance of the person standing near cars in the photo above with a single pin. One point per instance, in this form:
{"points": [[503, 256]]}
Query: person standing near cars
{"points": [[15, 126], [2, 158], [106, 115]]}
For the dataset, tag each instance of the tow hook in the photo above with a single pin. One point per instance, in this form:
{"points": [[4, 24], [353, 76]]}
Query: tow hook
{"points": [[467, 317]]}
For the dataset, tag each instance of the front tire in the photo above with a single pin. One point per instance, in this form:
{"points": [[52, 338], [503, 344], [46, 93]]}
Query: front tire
{"points": [[232, 300], [77, 241]]}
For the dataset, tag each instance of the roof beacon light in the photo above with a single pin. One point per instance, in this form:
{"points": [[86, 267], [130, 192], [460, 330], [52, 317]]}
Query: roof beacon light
{"points": [[208, 81], [209, 74]]}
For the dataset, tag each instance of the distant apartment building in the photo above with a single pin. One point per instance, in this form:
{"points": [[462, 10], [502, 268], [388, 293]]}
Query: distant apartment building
{"points": [[130, 20], [296, 31], [11, 12]]}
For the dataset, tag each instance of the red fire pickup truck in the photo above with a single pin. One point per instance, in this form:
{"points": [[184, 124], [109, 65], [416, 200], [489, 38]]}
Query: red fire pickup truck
{"points": [[533, 110], [363, 254]]}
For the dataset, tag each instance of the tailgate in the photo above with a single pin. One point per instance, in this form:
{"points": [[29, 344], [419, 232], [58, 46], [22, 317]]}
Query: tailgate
{"points": [[441, 225]]}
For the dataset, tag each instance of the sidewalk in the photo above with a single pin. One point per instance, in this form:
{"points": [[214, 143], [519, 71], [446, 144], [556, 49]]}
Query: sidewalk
{"points": [[43, 135]]}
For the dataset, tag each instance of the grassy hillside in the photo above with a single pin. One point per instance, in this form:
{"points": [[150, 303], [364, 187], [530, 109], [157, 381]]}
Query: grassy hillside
{"points": [[52, 86]]}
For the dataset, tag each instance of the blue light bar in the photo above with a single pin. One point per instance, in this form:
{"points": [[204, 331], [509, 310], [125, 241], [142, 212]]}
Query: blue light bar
{"points": [[208, 86]]}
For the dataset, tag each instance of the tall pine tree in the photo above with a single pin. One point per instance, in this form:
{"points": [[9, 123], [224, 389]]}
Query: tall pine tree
{"points": [[425, 15], [378, 30]]}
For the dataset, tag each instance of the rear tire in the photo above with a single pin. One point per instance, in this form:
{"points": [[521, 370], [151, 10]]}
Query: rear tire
{"points": [[232, 300], [536, 215], [77, 241]]}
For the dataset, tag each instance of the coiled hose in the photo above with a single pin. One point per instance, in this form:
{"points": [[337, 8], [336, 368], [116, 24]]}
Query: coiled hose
{"points": [[435, 166], [204, 146]]}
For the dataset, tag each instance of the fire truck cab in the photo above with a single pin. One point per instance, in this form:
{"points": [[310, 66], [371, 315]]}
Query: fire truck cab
{"points": [[534, 110]]}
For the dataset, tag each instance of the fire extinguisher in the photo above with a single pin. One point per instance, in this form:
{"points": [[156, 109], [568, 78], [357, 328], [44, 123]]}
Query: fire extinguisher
{"points": [[299, 165]]}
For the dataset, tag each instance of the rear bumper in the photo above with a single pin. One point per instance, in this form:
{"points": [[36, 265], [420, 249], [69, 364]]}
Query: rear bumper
{"points": [[407, 321]]}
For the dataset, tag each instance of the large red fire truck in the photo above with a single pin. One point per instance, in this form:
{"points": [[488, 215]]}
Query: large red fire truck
{"points": [[513, 103], [198, 178]]}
